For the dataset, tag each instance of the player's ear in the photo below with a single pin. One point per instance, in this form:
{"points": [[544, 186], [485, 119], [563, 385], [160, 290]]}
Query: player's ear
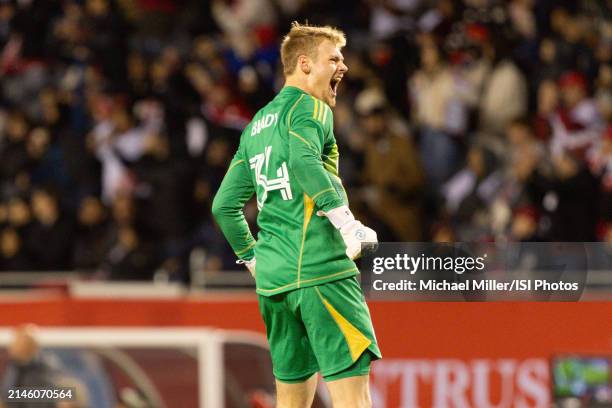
{"points": [[304, 64]]}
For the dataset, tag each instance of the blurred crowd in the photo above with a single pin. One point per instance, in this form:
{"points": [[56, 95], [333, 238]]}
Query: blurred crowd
{"points": [[459, 120]]}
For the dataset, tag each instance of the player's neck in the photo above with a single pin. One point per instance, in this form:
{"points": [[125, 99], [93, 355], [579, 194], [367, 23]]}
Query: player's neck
{"points": [[298, 83]]}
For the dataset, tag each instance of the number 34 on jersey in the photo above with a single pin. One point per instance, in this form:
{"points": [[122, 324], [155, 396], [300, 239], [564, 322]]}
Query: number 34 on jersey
{"points": [[281, 182]]}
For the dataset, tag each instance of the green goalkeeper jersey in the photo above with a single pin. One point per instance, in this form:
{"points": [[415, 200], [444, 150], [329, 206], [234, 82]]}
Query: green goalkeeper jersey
{"points": [[288, 157]]}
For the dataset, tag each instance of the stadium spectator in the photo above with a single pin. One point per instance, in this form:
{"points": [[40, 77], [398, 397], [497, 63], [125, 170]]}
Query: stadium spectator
{"points": [[599, 158], [243, 17], [439, 114], [27, 367], [392, 170], [547, 103], [130, 258], [50, 237], [13, 254], [469, 194], [504, 93], [92, 239], [105, 40], [19, 215], [572, 50], [577, 123], [14, 150], [569, 198], [524, 226]]}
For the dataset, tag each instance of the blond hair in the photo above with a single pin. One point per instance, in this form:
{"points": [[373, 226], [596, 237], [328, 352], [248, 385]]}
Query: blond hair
{"points": [[303, 39]]}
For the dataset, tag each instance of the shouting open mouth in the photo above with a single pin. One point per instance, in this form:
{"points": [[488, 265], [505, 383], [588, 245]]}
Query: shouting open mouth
{"points": [[333, 85]]}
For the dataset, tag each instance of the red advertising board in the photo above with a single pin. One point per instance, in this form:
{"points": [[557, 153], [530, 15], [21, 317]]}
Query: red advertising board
{"points": [[436, 354]]}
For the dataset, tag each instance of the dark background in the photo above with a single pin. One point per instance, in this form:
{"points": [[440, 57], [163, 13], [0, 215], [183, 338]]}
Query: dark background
{"points": [[474, 120]]}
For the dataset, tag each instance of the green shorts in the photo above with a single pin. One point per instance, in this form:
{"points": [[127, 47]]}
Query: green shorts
{"points": [[324, 328]]}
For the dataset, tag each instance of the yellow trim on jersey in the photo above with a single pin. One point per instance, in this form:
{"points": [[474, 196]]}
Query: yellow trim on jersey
{"points": [[324, 113], [321, 111], [357, 342], [234, 165], [323, 191], [329, 276], [308, 210], [242, 251], [292, 109], [291, 132], [331, 160], [330, 168], [308, 280]]}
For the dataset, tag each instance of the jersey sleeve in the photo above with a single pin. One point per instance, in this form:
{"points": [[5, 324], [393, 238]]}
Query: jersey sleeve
{"points": [[235, 190], [309, 127]]}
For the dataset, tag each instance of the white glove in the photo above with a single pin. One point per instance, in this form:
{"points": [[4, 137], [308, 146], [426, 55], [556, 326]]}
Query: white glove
{"points": [[353, 232], [249, 264]]}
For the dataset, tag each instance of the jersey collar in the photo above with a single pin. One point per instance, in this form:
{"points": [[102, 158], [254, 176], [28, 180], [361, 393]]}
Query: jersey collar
{"points": [[292, 89]]}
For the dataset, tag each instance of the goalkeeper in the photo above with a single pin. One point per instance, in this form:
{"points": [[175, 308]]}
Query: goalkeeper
{"points": [[315, 314]]}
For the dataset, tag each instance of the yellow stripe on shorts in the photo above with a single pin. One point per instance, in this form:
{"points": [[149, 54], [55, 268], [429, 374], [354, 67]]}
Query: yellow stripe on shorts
{"points": [[357, 341]]}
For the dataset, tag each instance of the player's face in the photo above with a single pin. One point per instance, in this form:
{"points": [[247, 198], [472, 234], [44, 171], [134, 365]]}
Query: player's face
{"points": [[327, 72]]}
